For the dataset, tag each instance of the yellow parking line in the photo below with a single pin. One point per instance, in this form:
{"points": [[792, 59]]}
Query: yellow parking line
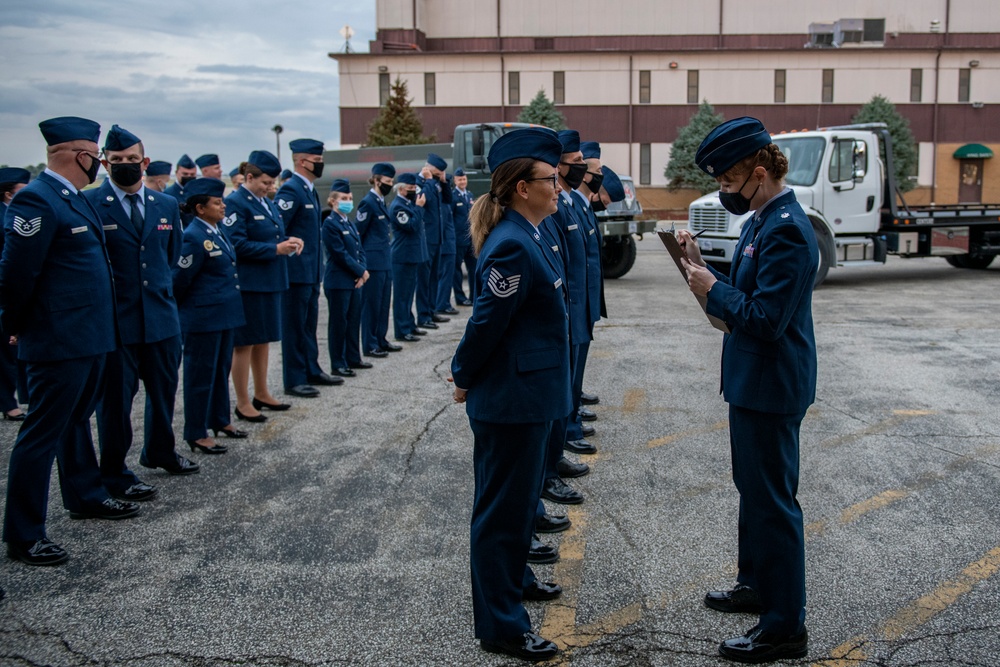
{"points": [[633, 400], [659, 442]]}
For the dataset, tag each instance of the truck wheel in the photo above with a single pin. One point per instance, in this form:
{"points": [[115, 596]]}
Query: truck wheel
{"points": [[617, 255], [826, 253], [970, 261]]}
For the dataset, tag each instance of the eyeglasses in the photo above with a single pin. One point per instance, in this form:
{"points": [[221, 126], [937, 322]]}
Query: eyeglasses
{"points": [[554, 179]]}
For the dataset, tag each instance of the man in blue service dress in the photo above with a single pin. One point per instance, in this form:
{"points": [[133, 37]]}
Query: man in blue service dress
{"points": [[409, 253], [57, 297], [156, 176], [209, 165], [143, 234], [446, 264], [185, 172], [373, 225], [461, 204], [429, 184], [301, 211]]}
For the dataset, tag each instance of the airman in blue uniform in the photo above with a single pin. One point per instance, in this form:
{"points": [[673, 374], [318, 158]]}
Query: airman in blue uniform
{"points": [[57, 298], [372, 221], [461, 204], [209, 165], [768, 379], [409, 253], [429, 184], [185, 172], [446, 264], [235, 179], [12, 179], [143, 234], [157, 175]]}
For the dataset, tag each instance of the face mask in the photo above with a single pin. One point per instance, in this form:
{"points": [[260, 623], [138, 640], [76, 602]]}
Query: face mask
{"points": [[575, 174], [595, 182], [126, 174], [735, 202], [317, 169], [384, 189], [412, 196], [345, 207], [91, 173], [184, 180], [598, 206]]}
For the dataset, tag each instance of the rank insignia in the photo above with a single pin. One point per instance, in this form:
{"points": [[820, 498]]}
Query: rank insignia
{"points": [[402, 217], [785, 215], [362, 216], [230, 220], [27, 227], [208, 245], [285, 205], [185, 262], [501, 286]]}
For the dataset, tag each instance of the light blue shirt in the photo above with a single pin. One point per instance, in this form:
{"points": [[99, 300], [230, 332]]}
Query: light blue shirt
{"points": [[126, 204], [62, 179]]}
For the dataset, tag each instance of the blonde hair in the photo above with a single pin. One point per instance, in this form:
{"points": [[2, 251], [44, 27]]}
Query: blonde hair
{"points": [[488, 209]]}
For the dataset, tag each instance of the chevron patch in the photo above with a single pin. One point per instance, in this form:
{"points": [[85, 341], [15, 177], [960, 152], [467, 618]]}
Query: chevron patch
{"points": [[285, 204], [185, 262], [503, 287], [27, 227], [230, 220]]}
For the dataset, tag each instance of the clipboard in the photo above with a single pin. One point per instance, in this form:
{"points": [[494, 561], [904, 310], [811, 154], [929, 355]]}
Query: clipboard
{"points": [[674, 248]]}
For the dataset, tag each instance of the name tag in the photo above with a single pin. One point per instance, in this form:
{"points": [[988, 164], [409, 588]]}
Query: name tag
{"points": [[346, 231], [258, 217], [592, 232], [215, 253], [78, 230], [459, 204], [381, 217], [309, 206], [571, 228], [557, 284], [108, 228]]}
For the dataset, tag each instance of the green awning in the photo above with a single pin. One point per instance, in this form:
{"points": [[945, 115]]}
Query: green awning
{"points": [[973, 152]]}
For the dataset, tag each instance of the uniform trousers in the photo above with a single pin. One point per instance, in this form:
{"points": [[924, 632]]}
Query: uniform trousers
{"points": [[427, 284], [8, 375], [464, 255], [508, 460], [208, 358], [765, 451], [156, 364], [404, 285], [574, 425], [62, 396], [375, 297], [344, 326], [446, 275], [299, 348]]}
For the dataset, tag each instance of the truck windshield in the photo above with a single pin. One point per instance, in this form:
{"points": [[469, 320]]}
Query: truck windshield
{"points": [[804, 158]]}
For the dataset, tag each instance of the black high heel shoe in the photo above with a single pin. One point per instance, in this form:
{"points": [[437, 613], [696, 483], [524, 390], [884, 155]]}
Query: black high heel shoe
{"points": [[214, 449], [247, 418], [277, 407], [230, 432], [14, 418]]}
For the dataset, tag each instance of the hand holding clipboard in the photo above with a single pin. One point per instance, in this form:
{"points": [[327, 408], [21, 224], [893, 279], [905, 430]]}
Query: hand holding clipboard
{"points": [[684, 265]]}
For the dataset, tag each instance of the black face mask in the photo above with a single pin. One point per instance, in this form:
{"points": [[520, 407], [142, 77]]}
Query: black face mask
{"points": [[384, 189], [126, 174], [91, 173], [574, 176], [412, 196], [598, 206], [595, 182], [317, 169], [184, 180], [735, 202]]}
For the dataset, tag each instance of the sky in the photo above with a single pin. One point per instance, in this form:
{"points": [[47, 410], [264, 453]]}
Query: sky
{"points": [[185, 77]]}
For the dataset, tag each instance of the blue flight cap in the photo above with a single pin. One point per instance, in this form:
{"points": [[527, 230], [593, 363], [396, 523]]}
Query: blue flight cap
{"points": [[119, 139], [436, 161], [14, 175], [460, 172], [570, 140], [286, 174], [729, 143], [206, 160], [407, 178], [537, 143], [340, 185], [69, 128], [612, 184], [233, 173], [185, 162], [591, 150], [158, 168], [383, 169], [212, 187], [310, 146], [266, 162]]}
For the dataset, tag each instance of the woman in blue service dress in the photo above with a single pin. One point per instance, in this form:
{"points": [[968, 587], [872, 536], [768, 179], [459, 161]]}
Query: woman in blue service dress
{"points": [[511, 370], [210, 308], [255, 230]]}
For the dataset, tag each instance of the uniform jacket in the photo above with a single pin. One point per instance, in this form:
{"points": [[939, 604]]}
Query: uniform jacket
{"points": [[142, 264], [372, 221], [176, 190], [409, 243], [447, 228], [769, 359], [461, 204], [56, 284], [301, 212], [595, 277], [205, 281], [345, 256], [431, 189], [514, 356], [573, 244], [255, 230]]}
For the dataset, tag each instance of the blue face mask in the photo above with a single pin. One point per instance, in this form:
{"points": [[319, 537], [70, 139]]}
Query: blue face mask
{"points": [[345, 207]]}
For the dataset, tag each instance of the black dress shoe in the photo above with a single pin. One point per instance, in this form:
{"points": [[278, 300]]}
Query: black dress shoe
{"points": [[41, 552], [528, 646], [464, 302], [137, 492], [559, 491], [579, 447], [759, 645], [376, 353], [448, 311], [547, 523], [409, 338], [205, 449], [325, 380], [587, 430], [276, 407], [587, 415], [740, 600], [542, 590], [391, 347], [441, 319], [542, 553], [230, 432], [303, 391], [180, 465], [344, 372], [420, 332], [427, 325], [567, 469], [14, 418], [589, 399], [248, 418], [360, 364], [111, 509]]}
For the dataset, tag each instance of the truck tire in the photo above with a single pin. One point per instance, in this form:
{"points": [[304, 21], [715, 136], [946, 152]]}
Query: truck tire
{"points": [[826, 252], [617, 255], [970, 261]]}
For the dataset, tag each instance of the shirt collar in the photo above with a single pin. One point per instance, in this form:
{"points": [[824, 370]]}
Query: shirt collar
{"points": [[760, 211], [62, 179], [309, 186], [378, 195], [122, 194]]}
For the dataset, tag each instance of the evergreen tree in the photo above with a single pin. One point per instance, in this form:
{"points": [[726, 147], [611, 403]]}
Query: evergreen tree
{"points": [[542, 111], [397, 123], [904, 148], [681, 171]]}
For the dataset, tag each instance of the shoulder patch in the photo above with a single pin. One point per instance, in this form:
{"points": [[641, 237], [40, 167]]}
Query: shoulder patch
{"points": [[185, 262], [501, 286], [27, 227], [284, 204], [402, 217], [362, 216], [229, 220]]}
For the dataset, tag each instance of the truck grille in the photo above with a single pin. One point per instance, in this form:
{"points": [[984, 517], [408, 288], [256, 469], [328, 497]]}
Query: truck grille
{"points": [[708, 218]]}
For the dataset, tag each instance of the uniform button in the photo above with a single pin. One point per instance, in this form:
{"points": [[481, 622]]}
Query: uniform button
{"points": [[145, 283], [142, 247], [234, 263], [237, 287], [236, 275], [144, 265]]}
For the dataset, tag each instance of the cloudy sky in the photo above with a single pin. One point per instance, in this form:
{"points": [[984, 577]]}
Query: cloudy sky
{"points": [[186, 77]]}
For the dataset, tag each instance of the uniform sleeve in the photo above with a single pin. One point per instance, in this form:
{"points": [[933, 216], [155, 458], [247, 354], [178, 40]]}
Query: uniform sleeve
{"points": [[188, 265], [30, 225], [404, 222], [336, 249], [364, 217], [288, 204], [235, 226]]}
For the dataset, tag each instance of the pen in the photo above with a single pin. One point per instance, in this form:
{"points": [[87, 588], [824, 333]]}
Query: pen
{"points": [[694, 236]]}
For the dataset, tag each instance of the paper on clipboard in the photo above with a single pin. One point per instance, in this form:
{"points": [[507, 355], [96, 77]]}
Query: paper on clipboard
{"points": [[676, 252]]}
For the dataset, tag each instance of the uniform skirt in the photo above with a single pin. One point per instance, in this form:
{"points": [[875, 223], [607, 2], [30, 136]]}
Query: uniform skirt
{"points": [[263, 317]]}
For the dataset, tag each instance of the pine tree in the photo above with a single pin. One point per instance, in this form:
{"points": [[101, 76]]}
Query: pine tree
{"points": [[681, 171], [904, 148], [542, 111], [397, 123]]}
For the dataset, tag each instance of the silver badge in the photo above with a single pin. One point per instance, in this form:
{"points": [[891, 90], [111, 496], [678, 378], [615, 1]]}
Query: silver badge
{"points": [[185, 262], [110, 198], [710, 169], [27, 227], [785, 215], [503, 287]]}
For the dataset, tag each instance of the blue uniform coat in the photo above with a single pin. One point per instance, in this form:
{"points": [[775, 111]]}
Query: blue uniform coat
{"points": [[372, 222], [205, 281], [345, 256], [301, 212], [573, 245], [461, 204], [255, 230], [409, 243]]}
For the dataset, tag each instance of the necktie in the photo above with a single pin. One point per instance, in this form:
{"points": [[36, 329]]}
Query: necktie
{"points": [[133, 200]]}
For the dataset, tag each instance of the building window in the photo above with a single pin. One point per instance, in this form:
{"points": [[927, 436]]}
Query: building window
{"points": [[964, 76], [383, 89], [779, 86], [827, 86], [693, 86], [916, 85], [874, 30], [430, 89], [513, 88], [644, 164], [644, 87], [559, 87]]}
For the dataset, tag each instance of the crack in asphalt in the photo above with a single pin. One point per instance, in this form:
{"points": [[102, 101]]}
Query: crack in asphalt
{"points": [[427, 425]]}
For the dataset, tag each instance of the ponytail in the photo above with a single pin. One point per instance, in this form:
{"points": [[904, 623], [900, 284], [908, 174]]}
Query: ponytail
{"points": [[489, 208]]}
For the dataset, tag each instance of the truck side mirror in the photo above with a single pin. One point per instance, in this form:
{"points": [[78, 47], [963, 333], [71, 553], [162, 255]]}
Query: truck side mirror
{"points": [[859, 161]]}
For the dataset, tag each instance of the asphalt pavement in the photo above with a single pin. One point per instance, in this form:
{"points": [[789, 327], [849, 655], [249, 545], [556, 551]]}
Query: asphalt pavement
{"points": [[337, 534]]}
